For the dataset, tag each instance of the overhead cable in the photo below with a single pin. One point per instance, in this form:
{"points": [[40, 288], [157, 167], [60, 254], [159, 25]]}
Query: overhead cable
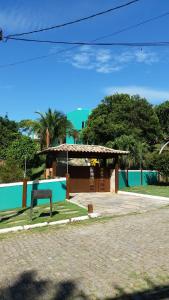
{"points": [[74, 21], [79, 43]]}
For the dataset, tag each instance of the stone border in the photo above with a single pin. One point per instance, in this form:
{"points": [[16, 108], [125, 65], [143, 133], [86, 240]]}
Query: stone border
{"points": [[38, 225], [143, 195]]}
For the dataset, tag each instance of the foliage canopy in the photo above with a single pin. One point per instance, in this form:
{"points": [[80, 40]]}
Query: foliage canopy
{"points": [[162, 111], [122, 114], [8, 133], [53, 121]]}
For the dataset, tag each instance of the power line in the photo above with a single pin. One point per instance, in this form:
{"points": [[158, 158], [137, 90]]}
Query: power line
{"points": [[129, 44], [128, 28], [74, 21], [37, 58], [33, 58], [134, 25]]}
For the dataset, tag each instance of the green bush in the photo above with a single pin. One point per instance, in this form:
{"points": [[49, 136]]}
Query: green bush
{"points": [[10, 172], [159, 162]]}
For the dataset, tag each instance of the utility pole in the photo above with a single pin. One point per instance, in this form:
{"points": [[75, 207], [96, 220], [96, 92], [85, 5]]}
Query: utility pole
{"points": [[24, 189]]}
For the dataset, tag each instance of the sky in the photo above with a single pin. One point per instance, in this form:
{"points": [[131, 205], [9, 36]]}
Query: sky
{"points": [[80, 77]]}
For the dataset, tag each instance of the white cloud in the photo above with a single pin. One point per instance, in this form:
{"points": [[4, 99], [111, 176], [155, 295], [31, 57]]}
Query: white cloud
{"points": [[107, 60], [108, 69], [103, 56], [124, 57], [81, 58], [155, 95], [146, 57], [138, 56]]}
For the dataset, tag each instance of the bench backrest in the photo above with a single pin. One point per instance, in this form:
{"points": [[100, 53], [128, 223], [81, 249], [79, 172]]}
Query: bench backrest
{"points": [[41, 194]]}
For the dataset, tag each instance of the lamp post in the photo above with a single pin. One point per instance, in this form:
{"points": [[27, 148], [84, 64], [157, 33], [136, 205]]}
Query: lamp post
{"points": [[25, 167], [24, 191]]}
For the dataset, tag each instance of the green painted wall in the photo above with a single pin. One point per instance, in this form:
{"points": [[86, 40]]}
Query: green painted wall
{"points": [[76, 117], [122, 179], [134, 178], [150, 177], [11, 196]]}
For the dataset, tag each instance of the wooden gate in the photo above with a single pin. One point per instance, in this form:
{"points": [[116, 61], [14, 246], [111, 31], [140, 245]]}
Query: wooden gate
{"points": [[89, 179]]}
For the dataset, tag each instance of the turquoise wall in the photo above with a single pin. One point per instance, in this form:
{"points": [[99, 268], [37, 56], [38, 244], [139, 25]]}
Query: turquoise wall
{"points": [[150, 177], [11, 196], [122, 179], [76, 117], [134, 178]]}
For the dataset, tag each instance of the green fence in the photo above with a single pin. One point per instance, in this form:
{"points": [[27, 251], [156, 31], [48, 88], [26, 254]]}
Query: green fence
{"points": [[11, 194], [137, 178]]}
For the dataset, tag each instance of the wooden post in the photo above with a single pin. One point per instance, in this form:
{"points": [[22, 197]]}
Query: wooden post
{"points": [[158, 176], [116, 175], [104, 162], [90, 208], [24, 193], [54, 168], [67, 186], [127, 177], [141, 176]]}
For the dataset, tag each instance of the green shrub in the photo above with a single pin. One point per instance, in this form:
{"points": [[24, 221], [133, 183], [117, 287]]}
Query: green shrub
{"points": [[10, 172]]}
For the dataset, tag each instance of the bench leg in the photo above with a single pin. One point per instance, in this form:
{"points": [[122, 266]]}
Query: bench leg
{"points": [[50, 207]]}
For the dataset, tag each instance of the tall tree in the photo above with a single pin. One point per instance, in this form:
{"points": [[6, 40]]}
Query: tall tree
{"points": [[76, 135], [8, 133], [159, 162], [162, 112], [122, 114], [10, 172], [22, 148], [128, 143]]}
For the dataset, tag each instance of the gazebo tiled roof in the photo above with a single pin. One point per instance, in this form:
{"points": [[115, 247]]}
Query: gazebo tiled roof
{"points": [[78, 148]]}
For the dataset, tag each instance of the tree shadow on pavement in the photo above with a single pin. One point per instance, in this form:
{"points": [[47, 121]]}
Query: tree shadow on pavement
{"points": [[68, 290], [27, 287], [156, 292]]}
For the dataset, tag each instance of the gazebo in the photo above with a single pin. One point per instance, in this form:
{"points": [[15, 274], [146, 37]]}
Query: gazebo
{"points": [[98, 178]]}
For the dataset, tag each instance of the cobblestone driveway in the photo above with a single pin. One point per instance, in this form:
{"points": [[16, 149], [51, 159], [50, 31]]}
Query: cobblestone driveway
{"points": [[118, 204], [84, 261]]}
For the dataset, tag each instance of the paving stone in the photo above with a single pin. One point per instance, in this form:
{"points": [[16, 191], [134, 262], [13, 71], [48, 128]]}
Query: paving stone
{"points": [[117, 204], [97, 259]]}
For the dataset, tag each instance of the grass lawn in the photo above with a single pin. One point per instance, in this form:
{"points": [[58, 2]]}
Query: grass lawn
{"points": [[156, 190], [61, 210]]}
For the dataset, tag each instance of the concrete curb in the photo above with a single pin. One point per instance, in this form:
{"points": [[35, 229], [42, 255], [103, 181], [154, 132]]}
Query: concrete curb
{"points": [[74, 202], [38, 225], [144, 195]]}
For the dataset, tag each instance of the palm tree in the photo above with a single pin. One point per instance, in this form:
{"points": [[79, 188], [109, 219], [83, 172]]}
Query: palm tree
{"points": [[128, 143], [54, 123], [76, 134], [142, 151]]}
